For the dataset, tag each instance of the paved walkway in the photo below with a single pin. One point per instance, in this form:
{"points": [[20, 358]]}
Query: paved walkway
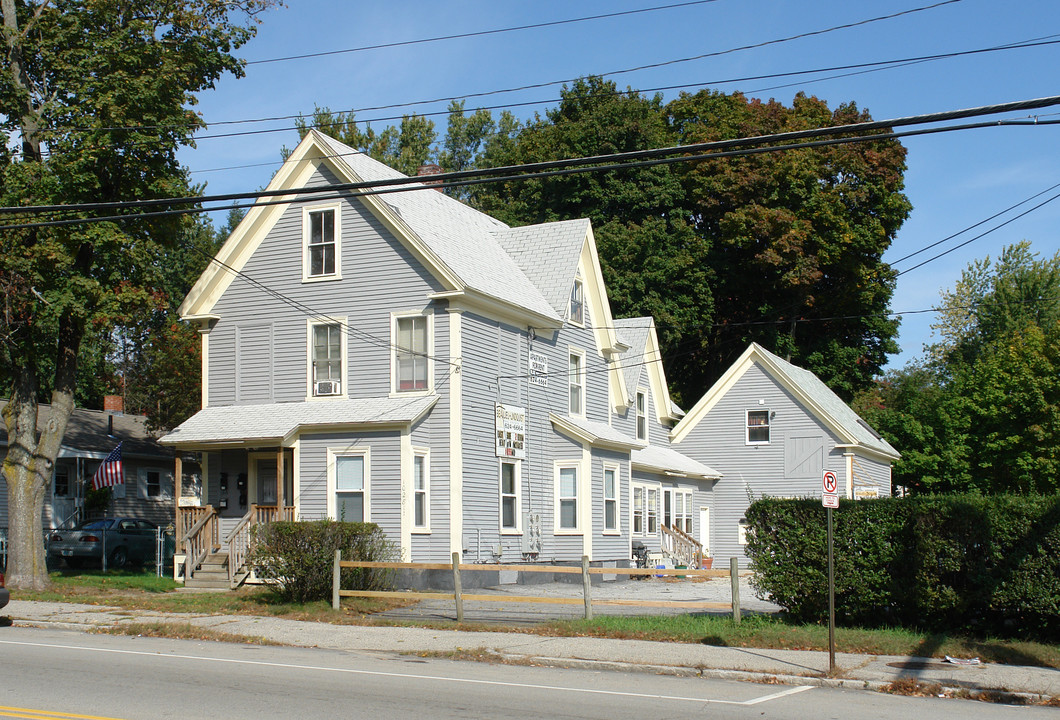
{"points": [[1013, 683]]}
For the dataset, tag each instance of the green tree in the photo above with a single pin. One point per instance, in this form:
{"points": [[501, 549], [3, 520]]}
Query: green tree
{"points": [[795, 236], [405, 148], [98, 95], [982, 413]]}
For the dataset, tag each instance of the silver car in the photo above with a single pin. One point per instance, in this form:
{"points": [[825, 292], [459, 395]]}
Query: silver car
{"points": [[125, 541]]}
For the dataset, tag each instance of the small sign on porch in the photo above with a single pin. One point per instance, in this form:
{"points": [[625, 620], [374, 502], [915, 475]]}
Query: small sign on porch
{"points": [[188, 501], [511, 431]]}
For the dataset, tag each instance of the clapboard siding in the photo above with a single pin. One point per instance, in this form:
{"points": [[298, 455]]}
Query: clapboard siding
{"points": [[720, 441], [607, 545], [364, 296]]}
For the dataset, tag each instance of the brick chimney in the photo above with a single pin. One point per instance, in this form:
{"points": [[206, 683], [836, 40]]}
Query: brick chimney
{"points": [[427, 170], [113, 404]]}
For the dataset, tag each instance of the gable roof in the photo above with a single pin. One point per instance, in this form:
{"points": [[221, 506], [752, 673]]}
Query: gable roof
{"points": [[455, 242], [817, 397], [657, 459], [642, 364], [94, 433], [548, 254], [279, 422]]}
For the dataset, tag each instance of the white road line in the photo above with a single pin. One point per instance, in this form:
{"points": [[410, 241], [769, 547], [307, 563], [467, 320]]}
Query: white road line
{"points": [[411, 676]]}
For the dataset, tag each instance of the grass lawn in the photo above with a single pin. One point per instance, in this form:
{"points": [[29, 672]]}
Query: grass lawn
{"points": [[141, 590]]}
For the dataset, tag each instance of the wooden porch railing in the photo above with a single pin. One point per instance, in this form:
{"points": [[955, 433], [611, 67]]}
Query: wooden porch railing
{"points": [[239, 539], [682, 546], [198, 533]]}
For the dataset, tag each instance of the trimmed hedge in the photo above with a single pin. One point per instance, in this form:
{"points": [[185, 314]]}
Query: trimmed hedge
{"points": [[300, 557], [988, 565]]}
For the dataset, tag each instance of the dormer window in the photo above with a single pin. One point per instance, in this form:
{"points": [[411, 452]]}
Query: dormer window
{"points": [[642, 415], [577, 303], [320, 230]]}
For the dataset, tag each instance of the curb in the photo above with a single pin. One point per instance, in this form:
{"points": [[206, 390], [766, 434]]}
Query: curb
{"points": [[999, 696]]}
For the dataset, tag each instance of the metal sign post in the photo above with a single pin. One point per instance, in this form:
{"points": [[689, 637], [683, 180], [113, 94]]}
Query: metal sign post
{"points": [[830, 499]]}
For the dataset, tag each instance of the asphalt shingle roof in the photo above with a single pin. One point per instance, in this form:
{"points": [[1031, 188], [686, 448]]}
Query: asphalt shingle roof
{"points": [[461, 237], [94, 431], [665, 459], [275, 421], [634, 333], [548, 254], [831, 403]]}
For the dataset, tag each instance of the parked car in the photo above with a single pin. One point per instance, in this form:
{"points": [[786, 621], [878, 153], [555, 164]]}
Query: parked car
{"points": [[125, 540], [4, 594]]}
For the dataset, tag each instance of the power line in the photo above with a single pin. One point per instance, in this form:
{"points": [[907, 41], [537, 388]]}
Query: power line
{"points": [[481, 33], [1009, 46], [618, 161]]}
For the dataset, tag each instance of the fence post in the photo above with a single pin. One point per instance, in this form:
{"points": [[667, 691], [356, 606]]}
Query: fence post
{"points": [[587, 588], [335, 577], [734, 577], [457, 589]]}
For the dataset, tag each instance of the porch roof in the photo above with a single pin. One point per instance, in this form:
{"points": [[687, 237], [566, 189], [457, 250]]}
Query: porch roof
{"points": [[670, 462], [279, 422]]}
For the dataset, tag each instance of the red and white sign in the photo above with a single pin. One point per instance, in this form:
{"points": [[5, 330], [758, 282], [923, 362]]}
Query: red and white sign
{"points": [[830, 498]]}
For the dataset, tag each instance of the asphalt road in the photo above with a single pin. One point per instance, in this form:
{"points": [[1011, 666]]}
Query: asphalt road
{"points": [[61, 674]]}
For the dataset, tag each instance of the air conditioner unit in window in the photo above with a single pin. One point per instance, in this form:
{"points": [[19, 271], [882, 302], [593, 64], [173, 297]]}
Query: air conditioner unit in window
{"points": [[326, 387]]}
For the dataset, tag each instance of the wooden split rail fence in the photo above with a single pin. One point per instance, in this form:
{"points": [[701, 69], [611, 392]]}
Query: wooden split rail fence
{"points": [[459, 596]]}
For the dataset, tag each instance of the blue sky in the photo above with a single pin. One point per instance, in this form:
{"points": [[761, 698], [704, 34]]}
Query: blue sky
{"points": [[954, 180]]}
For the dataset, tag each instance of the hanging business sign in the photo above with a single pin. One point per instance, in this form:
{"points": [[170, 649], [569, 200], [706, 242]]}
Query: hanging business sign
{"points": [[537, 365], [511, 431]]}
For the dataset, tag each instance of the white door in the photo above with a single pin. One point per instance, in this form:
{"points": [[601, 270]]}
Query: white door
{"points": [[704, 529]]}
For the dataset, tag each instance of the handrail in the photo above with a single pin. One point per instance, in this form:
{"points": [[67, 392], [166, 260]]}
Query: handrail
{"points": [[239, 539], [194, 529], [686, 548], [200, 538]]}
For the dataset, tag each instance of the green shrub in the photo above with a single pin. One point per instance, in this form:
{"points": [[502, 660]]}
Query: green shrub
{"points": [[969, 563], [299, 557]]}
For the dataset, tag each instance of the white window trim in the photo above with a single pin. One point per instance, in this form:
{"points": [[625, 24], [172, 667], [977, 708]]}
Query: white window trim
{"points": [[424, 453], [518, 488], [580, 498], [573, 351], [747, 426], [687, 496], [633, 488], [306, 211], [344, 375], [394, 316], [578, 283], [741, 531], [641, 414], [616, 499], [648, 488], [333, 453], [165, 484]]}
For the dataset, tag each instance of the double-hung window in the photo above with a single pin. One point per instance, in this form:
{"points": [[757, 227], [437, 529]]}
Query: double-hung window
{"points": [[610, 499], [577, 302], [683, 511], [411, 351], [326, 354], [509, 493], [153, 484], [567, 498], [351, 486], [642, 415], [420, 491], [576, 380], [653, 510], [638, 511], [320, 228], [757, 427]]}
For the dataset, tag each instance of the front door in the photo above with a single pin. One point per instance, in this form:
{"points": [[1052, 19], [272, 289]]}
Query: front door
{"points": [[65, 500], [704, 529], [265, 477]]}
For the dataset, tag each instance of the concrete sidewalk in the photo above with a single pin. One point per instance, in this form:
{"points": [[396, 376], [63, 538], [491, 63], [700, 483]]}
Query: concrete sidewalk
{"points": [[999, 682]]}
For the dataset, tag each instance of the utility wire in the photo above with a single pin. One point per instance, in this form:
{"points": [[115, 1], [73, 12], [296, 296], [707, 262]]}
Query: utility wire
{"points": [[482, 33], [615, 161], [394, 106]]}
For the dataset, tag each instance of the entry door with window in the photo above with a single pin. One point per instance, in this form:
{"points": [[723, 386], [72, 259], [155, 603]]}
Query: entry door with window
{"points": [[65, 500], [266, 480]]}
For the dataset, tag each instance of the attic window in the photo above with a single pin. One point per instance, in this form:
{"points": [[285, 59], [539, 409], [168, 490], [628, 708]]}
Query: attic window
{"points": [[757, 427], [320, 230], [577, 303]]}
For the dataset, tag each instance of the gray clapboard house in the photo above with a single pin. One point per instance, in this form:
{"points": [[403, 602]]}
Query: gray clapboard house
{"points": [[403, 359], [772, 428], [90, 436]]}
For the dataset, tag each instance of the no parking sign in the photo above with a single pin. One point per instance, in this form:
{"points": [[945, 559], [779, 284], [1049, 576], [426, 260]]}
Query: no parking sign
{"points": [[830, 498]]}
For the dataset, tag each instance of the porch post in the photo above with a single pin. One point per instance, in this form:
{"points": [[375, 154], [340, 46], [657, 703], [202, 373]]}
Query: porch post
{"points": [[279, 485], [178, 477]]}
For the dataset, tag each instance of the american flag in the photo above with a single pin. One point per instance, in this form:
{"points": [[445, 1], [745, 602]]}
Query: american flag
{"points": [[110, 471]]}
